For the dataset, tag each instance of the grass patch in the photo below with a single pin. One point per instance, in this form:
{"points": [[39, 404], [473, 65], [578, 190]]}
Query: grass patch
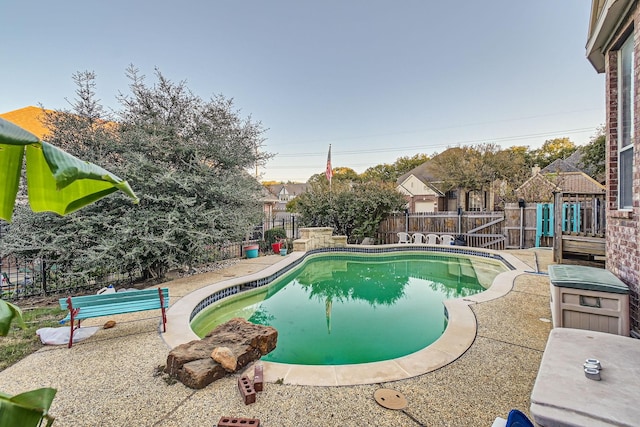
{"points": [[20, 343]]}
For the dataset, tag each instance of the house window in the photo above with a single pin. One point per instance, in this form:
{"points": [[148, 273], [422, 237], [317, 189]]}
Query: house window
{"points": [[626, 117], [475, 201]]}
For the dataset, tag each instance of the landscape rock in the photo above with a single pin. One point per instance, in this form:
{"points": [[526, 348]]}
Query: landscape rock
{"points": [[109, 324], [225, 357], [192, 364]]}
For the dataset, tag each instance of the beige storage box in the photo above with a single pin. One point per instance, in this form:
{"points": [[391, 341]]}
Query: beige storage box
{"points": [[588, 298]]}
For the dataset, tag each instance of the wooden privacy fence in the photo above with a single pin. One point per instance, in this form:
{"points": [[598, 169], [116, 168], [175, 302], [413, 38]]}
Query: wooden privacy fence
{"points": [[574, 226], [478, 229], [521, 225]]}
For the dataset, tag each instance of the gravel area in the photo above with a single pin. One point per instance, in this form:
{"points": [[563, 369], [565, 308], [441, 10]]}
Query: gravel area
{"points": [[112, 378]]}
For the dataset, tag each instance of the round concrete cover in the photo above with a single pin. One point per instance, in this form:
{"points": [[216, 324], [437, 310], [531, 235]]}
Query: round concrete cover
{"points": [[390, 399]]}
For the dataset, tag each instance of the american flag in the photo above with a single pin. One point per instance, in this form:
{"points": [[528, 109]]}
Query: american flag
{"points": [[329, 171]]}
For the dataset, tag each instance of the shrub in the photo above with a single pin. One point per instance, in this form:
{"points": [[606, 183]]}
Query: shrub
{"points": [[274, 235]]}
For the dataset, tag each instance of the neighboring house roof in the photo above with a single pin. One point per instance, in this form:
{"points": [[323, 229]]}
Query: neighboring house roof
{"points": [[424, 188], [541, 186], [28, 118], [425, 173], [267, 197], [292, 189], [573, 163], [559, 165]]}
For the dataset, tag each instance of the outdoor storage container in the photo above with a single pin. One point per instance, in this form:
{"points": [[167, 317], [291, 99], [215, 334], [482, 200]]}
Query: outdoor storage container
{"points": [[251, 251], [588, 298]]}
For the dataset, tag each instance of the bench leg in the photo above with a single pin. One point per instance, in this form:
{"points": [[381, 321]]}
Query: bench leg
{"points": [[164, 314], [72, 314]]}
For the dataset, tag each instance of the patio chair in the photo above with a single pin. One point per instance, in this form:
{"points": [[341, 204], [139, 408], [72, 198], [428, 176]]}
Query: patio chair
{"points": [[432, 239], [404, 237], [418, 238], [446, 239], [368, 241]]}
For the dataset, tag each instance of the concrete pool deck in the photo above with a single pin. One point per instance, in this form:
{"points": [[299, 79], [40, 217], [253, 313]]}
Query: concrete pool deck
{"points": [[110, 379]]}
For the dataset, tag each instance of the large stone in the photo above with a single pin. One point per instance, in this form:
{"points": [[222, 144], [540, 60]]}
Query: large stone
{"points": [[191, 363]]}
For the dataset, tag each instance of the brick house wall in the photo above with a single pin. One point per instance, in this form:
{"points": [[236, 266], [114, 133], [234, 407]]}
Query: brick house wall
{"points": [[623, 226]]}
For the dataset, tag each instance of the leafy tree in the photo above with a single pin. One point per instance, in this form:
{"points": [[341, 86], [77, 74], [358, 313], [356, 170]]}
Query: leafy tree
{"points": [[187, 157], [351, 210], [481, 167], [384, 172], [476, 167], [391, 172], [406, 163], [552, 149], [342, 173], [594, 155], [58, 182]]}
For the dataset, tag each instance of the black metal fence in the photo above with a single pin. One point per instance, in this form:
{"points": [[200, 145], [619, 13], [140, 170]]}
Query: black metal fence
{"points": [[22, 277], [288, 222]]}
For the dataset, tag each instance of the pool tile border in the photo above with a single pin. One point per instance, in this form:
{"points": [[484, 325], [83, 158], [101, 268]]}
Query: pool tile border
{"points": [[454, 342]]}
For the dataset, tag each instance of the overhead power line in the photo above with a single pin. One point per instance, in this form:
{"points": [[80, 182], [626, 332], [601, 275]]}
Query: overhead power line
{"points": [[430, 146]]}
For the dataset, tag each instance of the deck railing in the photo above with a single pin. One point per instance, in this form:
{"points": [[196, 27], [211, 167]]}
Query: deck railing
{"points": [[579, 227]]}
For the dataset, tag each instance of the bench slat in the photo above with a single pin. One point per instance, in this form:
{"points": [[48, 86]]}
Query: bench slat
{"points": [[116, 297]]}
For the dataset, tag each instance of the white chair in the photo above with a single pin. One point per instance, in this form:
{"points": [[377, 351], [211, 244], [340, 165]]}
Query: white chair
{"points": [[418, 238], [446, 239], [404, 238], [368, 241], [432, 239]]}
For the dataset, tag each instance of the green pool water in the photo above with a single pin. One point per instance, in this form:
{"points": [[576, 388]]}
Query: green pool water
{"points": [[343, 309]]}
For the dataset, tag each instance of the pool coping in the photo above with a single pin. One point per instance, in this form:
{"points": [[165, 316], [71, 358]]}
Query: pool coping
{"points": [[454, 342]]}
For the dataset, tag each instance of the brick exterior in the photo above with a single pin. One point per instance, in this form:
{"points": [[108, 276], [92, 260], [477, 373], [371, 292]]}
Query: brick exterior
{"points": [[623, 227]]}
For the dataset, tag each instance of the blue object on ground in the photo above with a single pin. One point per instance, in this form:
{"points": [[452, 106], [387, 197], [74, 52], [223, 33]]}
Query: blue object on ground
{"points": [[252, 253], [518, 419]]}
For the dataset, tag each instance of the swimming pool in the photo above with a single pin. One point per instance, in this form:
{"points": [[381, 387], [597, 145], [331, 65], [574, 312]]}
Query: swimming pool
{"points": [[341, 308], [258, 272]]}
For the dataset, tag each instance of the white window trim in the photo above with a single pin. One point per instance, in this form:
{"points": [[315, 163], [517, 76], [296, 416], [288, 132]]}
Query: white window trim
{"points": [[621, 108]]}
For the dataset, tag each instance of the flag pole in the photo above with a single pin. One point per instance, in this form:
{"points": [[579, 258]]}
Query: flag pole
{"points": [[329, 170]]}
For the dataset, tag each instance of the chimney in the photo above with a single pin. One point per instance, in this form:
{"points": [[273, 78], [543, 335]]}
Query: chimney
{"points": [[535, 169]]}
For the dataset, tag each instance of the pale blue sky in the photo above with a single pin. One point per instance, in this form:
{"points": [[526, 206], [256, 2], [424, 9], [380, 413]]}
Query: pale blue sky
{"points": [[376, 79]]}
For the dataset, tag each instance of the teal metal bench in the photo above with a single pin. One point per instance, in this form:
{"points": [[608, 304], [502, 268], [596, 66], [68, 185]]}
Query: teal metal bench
{"points": [[108, 304]]}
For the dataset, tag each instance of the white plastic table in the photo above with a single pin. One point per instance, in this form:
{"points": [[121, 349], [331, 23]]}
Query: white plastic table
{"points": [[564, 396]]}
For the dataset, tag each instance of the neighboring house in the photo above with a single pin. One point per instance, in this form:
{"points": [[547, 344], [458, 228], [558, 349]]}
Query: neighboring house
{"points": [[424, 192], [284, 193], [269, 202], [559, 176], [612, 48], [28, 118], [421, 194]]}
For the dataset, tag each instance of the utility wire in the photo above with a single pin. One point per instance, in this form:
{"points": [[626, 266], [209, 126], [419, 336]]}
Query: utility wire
{"points": [[423, 146]]}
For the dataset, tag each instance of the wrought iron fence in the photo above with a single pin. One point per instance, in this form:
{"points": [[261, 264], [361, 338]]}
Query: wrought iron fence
{"points": [[289, 222], [23, 277]]}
